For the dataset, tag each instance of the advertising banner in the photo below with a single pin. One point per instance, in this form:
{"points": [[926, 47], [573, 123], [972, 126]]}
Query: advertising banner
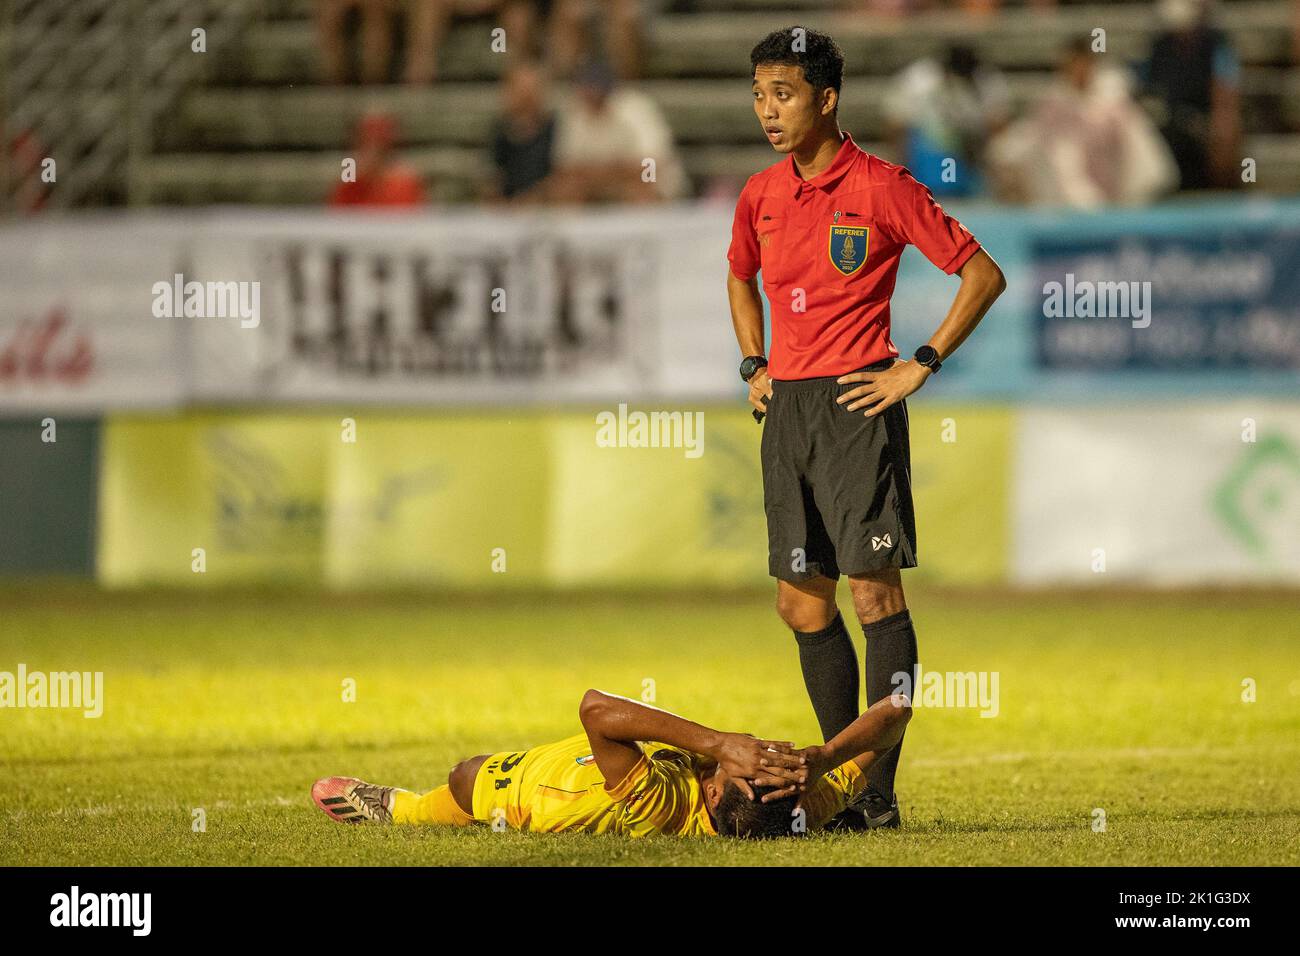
{"points": [[553, 307], [1202, 301], [627, 496], [76, 333], [1167, 495]]}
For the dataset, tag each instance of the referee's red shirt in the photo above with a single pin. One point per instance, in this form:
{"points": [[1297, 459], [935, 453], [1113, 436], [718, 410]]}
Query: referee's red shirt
{"points": [[828, 248]]}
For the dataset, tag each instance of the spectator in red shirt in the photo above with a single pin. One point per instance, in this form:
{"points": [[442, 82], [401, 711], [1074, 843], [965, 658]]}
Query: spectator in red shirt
{"points": [[380, 179], [826, 227]]}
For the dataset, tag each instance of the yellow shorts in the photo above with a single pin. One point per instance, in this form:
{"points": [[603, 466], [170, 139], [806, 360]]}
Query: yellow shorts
{"points": [[497, 790], [549, 788]]}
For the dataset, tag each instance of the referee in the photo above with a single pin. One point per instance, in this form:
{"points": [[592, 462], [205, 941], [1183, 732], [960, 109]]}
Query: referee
{"points": [[826, 227]]}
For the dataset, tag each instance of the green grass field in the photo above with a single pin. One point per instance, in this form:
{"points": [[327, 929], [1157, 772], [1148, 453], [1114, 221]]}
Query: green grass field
{"points": [[233, 704]]}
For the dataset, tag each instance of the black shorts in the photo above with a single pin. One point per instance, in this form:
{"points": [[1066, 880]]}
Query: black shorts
{"points": [[837, 486]]}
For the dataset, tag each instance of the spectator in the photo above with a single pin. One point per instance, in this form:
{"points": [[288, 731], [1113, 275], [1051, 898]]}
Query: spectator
{"points": [[29, 191], [518, 18], [380, 180], [604, 140], [579, 29], [941, 112], [523, 137], [425, 19], [1086, 144], [1194, 76]]}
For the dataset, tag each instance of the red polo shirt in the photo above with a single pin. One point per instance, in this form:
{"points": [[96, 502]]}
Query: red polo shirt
{"points": [[828, 248]]}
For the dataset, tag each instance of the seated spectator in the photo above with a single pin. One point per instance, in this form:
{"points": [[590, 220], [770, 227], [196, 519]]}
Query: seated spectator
{"points": [[518, 18], [29, 191], [381, 180], [946, 111], [1085, 144], [579, 29], [425, 22], [523, 136], [604, 140], [1194, 76]]}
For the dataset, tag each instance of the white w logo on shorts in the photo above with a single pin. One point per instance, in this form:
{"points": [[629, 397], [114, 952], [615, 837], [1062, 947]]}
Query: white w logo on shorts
{"points": [[884, 541]]}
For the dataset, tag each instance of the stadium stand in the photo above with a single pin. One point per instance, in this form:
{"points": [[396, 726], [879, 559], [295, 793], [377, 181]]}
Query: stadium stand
{"points": [[250, 121]]}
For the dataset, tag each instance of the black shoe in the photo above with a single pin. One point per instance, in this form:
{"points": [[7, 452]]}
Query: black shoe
{"points": [[877, 812], [847, 821]]}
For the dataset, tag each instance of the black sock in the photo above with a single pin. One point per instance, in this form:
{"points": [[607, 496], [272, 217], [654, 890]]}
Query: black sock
{"points": [[891, 649], [830, 672]]}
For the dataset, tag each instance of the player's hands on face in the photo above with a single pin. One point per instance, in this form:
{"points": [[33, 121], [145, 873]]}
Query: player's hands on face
{"points": [[760, 387], [747, 758], [882, 389]]}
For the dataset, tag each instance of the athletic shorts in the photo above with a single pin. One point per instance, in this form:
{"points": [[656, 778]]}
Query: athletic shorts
{"points": [[837, 485]]}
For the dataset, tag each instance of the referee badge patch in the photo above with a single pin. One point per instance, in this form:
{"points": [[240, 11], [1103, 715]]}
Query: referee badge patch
{"points": [[848, 248]]}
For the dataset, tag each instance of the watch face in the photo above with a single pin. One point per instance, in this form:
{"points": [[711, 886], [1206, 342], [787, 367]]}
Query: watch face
{"points": [[926, 355], [750, 366]]}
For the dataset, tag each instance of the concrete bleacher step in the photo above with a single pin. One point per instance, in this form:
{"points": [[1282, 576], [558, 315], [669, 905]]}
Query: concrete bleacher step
{"points": [[700, 111], [455, 174], [452, 173]]}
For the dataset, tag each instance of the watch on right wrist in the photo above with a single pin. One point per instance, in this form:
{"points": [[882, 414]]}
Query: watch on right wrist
{"points": [[750, 365]]}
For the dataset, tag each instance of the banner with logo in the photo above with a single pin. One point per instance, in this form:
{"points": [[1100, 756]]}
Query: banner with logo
{"points": [[1160, 495], [627, 496], [213, 499], [76, 333], [514, 309], [1227, 299]]}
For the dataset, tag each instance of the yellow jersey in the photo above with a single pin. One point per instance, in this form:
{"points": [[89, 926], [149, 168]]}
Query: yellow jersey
{"points": [[558, 787]]}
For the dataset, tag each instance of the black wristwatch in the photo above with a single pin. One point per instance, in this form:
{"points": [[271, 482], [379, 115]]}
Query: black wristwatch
{"points": [[750, 365], [929, 357]]}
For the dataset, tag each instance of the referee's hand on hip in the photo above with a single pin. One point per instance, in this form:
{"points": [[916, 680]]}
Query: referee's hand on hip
{"points": [[760, 390]]}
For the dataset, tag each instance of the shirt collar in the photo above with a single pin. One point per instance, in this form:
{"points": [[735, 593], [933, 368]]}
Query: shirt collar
{"points": [[832, 174]]}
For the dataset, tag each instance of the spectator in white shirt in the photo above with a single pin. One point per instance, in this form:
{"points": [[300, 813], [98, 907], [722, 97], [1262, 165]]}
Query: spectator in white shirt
{"points": [[613, 144]]}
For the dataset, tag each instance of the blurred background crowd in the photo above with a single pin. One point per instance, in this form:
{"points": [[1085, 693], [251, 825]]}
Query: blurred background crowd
{"points": [[562, 101]]}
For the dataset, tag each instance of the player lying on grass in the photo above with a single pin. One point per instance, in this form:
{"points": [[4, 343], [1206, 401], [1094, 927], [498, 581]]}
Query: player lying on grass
{"points": [[639, 770]]}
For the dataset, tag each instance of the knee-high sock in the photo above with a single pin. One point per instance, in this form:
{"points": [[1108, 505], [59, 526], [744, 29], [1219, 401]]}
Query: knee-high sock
{"points": [[830, 672], [437, 806], [891, 649]]}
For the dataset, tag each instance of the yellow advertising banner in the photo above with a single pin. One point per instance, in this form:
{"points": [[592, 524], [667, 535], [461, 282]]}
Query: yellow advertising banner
{"points": [[210, 499], [623, 497]]}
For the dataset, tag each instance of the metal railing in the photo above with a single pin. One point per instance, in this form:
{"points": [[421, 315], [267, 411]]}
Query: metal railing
{"points": [[85, 84]]}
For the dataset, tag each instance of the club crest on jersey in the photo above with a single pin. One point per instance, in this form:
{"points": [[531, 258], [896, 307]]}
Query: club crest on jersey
{"points": [[848, 248]]}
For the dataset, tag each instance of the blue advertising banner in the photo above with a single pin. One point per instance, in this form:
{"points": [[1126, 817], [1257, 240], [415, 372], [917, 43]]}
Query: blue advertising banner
{"points": [[1221, 315], [1222, 298]]}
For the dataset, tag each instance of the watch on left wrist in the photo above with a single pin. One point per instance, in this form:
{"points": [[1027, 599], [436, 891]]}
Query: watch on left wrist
{"points": [[928, 356]]}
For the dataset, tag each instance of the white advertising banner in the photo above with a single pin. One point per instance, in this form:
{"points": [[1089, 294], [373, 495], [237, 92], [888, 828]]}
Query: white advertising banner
{"points": [[1164, 495], [307, 307], [76, 329]]}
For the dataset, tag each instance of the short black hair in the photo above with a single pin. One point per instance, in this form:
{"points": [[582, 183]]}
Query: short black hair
{"points": [[738, 816], [817, 54]]}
